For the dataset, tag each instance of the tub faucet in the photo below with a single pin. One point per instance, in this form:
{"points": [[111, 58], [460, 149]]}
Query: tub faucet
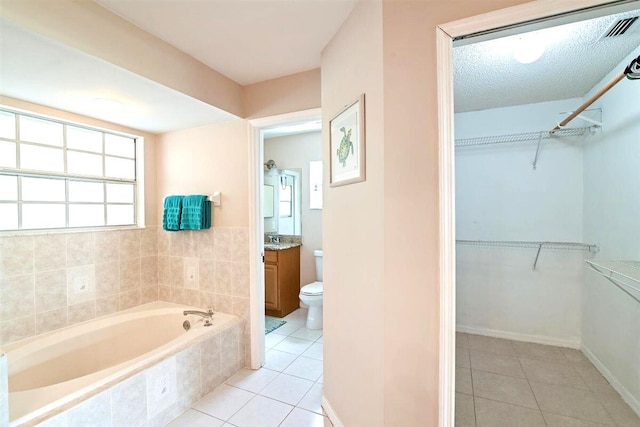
{"points": [[207, 315]]}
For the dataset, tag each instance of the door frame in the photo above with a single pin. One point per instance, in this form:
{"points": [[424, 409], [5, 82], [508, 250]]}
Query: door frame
{"points": [[256, 223], [445, 34]]}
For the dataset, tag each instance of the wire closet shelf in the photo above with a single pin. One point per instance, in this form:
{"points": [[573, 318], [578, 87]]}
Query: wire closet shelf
{"points": [[623, 274], [567, 246], [525, 137]]}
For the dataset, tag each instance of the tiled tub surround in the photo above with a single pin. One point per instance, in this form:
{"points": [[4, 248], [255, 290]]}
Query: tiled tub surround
{"points": [[4, 391], [49, 281], [207, 268], [154, 375]]}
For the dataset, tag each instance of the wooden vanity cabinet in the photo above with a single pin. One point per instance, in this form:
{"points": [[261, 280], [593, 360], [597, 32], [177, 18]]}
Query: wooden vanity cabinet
{"points": [[281, 281]]}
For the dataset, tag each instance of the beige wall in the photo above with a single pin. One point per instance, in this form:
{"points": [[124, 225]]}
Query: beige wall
{"points": [[206, 159], [295, 152], [389, 374], [353, 226], [295, 92]]}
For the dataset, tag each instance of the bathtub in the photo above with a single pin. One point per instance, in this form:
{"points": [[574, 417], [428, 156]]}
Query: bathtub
{"points": [[52, 373]]}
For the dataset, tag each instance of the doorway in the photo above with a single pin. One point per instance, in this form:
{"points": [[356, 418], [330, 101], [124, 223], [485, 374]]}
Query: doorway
{"points": [[290, 186], [474, 236]]}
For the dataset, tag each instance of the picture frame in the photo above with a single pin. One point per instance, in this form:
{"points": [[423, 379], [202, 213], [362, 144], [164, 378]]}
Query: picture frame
{"points": [[347, 145]]}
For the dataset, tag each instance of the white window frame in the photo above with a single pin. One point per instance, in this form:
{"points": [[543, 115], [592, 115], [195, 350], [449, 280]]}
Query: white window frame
{"points": [[20, 173]]}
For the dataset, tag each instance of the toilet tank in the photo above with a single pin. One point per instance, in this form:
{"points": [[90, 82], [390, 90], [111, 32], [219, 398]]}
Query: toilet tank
{"points": [[318, 254]]}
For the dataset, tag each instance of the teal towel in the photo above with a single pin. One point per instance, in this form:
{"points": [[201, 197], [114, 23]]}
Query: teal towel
{"points": [[172, 212], [196, 213]]}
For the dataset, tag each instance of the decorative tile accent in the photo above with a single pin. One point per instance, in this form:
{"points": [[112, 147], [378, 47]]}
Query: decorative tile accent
{"points": [[81, 284], [16, 255], [17, 294], [191, 274], [50, 252], [161, 386], [80, 249]]}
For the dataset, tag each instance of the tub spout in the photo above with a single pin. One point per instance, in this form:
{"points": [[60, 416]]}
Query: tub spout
{"points": [[206, 314]]}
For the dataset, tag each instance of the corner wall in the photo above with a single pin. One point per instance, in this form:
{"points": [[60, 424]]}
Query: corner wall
{"points": [[611, 319]]}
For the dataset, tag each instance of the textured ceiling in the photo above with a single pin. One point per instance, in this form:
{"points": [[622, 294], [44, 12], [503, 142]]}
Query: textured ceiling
{"points": [[486, 74], [41, 71], [246, 40]]}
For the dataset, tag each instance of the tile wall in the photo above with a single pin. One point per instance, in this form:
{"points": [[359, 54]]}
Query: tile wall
{"points": [[50, 281], [4, 391], [161, 392], [208, 268]]}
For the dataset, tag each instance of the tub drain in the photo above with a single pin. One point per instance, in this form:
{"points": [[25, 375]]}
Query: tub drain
{"points": [[186, 325]]}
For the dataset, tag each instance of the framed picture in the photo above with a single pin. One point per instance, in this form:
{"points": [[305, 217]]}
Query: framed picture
{"points": [[347, 145]]}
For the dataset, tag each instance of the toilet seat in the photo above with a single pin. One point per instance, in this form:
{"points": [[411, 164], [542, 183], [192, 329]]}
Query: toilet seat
{"points": [[312, 289]]}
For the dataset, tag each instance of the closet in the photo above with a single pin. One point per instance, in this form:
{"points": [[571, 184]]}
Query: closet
{"points": [[548, 248]]}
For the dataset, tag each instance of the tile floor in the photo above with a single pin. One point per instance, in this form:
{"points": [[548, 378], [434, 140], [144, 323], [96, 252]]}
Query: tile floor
{"points": [[286, 392], [506, 383]]}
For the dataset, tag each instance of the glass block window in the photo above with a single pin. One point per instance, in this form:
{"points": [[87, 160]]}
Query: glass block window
{"points": [[55, 174]]}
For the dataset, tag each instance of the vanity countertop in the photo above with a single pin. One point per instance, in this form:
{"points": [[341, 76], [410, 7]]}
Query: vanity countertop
{"points": [[280, 246]]}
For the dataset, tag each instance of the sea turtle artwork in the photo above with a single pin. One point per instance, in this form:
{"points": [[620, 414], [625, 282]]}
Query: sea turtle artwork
{"points": [[345, 145]]}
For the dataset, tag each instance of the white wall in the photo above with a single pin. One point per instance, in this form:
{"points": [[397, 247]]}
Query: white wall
{"points": [[295, 152], [500, 197], [611, 319]]}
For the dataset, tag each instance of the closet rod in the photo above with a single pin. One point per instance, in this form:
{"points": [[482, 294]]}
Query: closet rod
{"points": [[632, 71]]}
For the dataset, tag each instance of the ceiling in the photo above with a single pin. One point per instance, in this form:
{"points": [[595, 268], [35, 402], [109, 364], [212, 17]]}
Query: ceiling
{"points": [[254, 40], [38, 70], [246, 40], [486, 74]]}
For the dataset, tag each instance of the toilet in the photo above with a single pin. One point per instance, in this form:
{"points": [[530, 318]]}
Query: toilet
{"points": [[311, 295]]}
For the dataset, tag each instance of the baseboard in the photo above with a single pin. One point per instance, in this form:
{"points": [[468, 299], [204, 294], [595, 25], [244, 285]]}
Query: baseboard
{"points": [[617, 385], [331, 413], [538, 339]]}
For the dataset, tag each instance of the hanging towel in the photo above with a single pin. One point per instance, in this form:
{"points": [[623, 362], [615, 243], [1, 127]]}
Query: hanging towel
{"points": [[172, 212], [196, 213]]}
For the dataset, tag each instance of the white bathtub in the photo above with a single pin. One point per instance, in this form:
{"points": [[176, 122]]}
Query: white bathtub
{"points": [[55, 371]]}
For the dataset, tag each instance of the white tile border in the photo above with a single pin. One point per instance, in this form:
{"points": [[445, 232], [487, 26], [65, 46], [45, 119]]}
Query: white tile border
{"points": [[331, 414]]}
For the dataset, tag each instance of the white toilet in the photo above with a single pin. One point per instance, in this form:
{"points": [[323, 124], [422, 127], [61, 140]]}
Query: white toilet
{"points": [[311, 295]]}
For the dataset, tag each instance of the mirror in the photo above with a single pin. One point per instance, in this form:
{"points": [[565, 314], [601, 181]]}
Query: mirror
{"points": [[282, 200], [267, 200]]}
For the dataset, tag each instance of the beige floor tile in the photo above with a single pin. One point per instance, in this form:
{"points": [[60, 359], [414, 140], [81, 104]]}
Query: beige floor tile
{"points": [[462, 358], [463, 381], [618, 409], [558, 373], [497, 414], [555, 420], [538, 351], [574, 356], [592, 377], [569, 401], [503, 389], [491, 345], [462, 340], [496, 363], [465, 411]]}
